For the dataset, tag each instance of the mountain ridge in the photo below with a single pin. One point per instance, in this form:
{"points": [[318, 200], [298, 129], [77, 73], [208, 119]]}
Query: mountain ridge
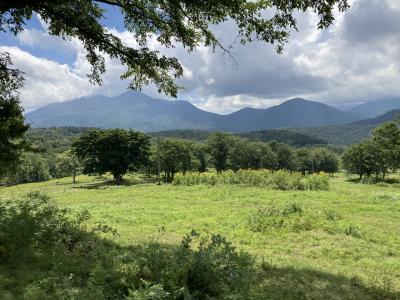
{"points": [[136, 110], [375, 108]]}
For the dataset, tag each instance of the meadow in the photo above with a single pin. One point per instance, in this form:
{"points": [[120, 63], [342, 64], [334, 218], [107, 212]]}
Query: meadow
{"points": [[342, 243]]}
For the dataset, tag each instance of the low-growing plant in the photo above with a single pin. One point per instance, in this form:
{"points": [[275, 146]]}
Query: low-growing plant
{"points": [[353, 230], [74, 262], [387, 197], [290, 217], [294, 218], [35, 222], [278, 180], [332, 215]]}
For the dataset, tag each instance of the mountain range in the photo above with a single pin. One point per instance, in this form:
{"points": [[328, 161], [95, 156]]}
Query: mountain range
{"points": [[136, 110], [389, 116], [375, 108]]}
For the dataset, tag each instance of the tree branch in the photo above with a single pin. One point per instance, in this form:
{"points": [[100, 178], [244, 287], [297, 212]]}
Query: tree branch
{"points": [[18, 4]]}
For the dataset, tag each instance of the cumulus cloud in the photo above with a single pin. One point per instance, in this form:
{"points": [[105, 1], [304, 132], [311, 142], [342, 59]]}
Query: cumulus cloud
{"points": [[46, 81], [356, 60]]}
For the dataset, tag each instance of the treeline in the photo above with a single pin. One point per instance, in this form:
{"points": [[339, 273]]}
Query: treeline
{"points": [[119, 151], [37, 167], [378, 155], [227, 152]]}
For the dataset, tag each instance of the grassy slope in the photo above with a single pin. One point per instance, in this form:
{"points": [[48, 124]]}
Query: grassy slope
{"points": [[314, 262]]}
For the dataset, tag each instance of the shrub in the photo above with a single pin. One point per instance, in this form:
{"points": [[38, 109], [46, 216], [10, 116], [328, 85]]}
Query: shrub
{"points": [[291, 218], [35, 222], [317, 182], [353, 230], [279, 180], [332, 215], [73, 262]]}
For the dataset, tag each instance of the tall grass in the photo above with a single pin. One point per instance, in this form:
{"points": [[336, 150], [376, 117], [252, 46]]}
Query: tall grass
{"points": [[278, 180]]}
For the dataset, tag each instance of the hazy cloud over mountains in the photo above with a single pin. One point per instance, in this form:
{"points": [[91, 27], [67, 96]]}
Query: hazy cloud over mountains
{"points": [[357, 59]]}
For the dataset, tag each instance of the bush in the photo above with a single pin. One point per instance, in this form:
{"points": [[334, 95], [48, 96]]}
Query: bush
{"points": [[291, 218], [33, 167], [317, 182], [34, 222], [71, 261], [278, 180], [354, 231]]}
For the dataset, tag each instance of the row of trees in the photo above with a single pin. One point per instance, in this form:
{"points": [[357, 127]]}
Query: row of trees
{"points": [[37, 167], [118, 151], [378, 155]]}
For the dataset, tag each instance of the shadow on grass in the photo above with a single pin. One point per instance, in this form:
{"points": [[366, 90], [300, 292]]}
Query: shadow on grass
{"points": [[371, 181], [168, 270], [112, 183], [45, 253], [291, 283]]}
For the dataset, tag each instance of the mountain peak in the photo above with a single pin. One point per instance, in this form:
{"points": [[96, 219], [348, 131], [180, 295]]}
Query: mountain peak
{"points": [[133, 109]]}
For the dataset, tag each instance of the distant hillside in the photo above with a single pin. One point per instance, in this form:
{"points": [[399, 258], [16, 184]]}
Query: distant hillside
{"points": [[389, 116], [339, 135], [138, 111], [283, 136], [55, 139], [375, 108], [186, 134], [61, 139]]}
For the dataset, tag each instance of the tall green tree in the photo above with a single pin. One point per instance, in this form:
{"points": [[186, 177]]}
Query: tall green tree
{"points": [[286, 157], [33, 167], [239, 156], [363, 159], [262, 156], [115, 150], [387, 138], [219, 145], [324, 160], [175, 155], [12, 125], [171, 22], [67, 164], [200, 152]]}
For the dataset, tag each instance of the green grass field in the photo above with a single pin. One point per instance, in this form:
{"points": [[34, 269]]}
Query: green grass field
{"points": [[351, 250]]}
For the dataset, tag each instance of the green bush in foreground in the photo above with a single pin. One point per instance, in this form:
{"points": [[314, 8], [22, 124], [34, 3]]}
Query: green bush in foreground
{"points": [[278, 180], [71, 261]]}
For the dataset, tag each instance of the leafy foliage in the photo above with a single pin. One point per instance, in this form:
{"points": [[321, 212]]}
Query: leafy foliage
{"points": [[218, 144], [378, 155], [33, 167], [279, 180], [12, 125], [80, 264], [171, 22], [68, 165], [114, 150], [175, 156]]}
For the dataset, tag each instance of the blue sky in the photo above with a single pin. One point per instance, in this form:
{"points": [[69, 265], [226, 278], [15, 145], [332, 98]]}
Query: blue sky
{"points": [[356, 60]]}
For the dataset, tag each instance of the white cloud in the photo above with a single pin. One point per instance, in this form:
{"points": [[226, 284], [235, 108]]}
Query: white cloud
{"points": [[46, 81]]}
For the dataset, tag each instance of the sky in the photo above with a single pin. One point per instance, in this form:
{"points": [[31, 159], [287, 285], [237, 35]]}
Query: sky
{"points": [[356, 60]]}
